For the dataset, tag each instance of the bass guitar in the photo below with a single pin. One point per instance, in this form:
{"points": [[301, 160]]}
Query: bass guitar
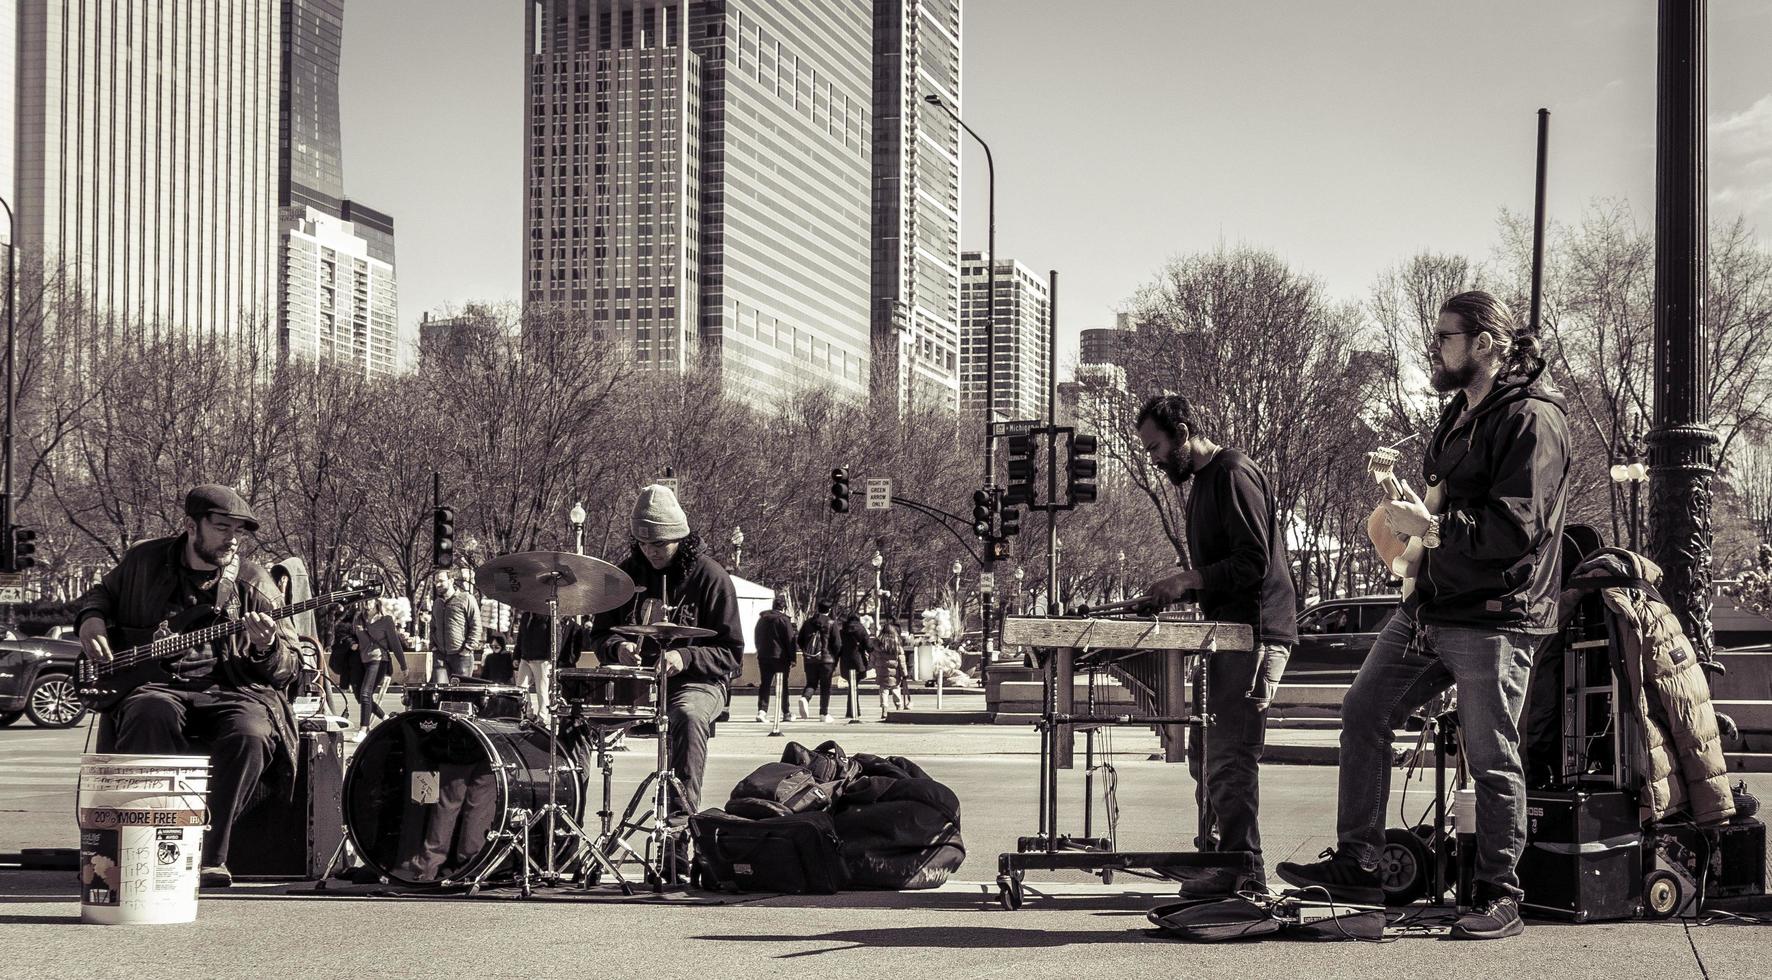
{"points": [[1401, 553], [101, 684]]}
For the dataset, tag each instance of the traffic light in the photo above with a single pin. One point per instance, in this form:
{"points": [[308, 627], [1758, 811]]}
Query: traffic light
{"points": [[1011, 523], [840, 490], [982, 513], [1023, 468], [443, 537], [24, 545], [997, 549], [1080, 469]]}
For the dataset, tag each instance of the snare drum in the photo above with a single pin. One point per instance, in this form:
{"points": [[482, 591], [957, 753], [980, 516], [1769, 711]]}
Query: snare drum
{"points": [[608, 694], [473, 700], [429, 792]]}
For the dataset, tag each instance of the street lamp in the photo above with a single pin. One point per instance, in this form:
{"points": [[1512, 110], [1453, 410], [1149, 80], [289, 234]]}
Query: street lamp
{"points": [[1122, 575], [737, 542], [577, 517], [6, 515], [1635, 473], [1021, 600], [878, 561]]}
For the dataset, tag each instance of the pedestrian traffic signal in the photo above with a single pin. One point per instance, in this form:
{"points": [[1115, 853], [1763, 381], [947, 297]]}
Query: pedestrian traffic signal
{"points": [[443, 537], [983, 513], [1023, 468], [1080, 469], [24, 545], [1011, 523], [840, 490], [997, 550]]}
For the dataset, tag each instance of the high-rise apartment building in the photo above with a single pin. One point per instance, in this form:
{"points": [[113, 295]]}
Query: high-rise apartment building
{"points": [[143, 148], [696, 184], [337, 288], [916, 203], [1107, 345], [1021, 338]]}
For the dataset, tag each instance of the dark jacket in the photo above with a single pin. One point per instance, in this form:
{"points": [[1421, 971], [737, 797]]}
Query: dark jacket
{"points": [[818, 639], [1238, 544], [854, 646], [532, 639], [1505, 473], [704, 597], [137, 595], [775, 638]]}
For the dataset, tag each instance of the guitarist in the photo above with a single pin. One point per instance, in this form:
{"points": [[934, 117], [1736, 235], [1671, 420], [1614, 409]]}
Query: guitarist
{"points": [[227, 696], [1485, 596]]}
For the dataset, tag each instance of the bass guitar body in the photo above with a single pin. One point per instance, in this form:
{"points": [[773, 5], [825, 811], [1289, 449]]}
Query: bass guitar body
{"points": [[101, 687]]}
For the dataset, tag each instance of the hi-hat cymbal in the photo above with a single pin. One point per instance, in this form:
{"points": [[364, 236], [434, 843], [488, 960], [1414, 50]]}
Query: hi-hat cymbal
{"points": [[663, 631], [526, 580]]}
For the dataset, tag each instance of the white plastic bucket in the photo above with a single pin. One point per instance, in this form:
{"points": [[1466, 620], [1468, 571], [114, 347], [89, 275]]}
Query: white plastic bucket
{"points": [[142, 819], [1464, 811]]}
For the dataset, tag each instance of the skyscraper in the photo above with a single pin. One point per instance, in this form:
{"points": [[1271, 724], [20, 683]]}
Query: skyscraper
{"points": [[696, 183], [338, 297], [1022, 340], [916, 203], [144, 141]]}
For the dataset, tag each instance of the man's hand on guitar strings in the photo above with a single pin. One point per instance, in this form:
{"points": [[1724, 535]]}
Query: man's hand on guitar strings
{"points": [[93, 641], [1407, 516], [261, 630]]}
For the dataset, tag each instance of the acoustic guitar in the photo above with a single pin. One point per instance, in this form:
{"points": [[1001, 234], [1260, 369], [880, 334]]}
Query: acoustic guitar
{"points": [[101, 684], [1401, 553]]}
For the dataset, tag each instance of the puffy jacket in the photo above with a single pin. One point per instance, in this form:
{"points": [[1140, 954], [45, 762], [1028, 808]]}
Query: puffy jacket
{"points": [[1504, 473], [1680, 753]]}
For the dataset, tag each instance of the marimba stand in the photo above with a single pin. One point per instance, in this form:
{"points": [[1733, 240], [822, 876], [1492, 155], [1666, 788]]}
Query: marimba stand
{"points": [[1093, 645]]}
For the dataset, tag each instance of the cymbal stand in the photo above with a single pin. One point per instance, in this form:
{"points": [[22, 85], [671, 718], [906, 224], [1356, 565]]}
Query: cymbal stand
{"points": [[660, 859], [606, 843], [550, 871]]}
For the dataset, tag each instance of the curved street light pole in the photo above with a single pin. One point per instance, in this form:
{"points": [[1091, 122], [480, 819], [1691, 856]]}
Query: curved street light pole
{"points": [[11, 333]]}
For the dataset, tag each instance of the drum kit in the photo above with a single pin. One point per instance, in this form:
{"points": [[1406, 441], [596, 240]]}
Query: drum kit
{"points": [[469, 787]]}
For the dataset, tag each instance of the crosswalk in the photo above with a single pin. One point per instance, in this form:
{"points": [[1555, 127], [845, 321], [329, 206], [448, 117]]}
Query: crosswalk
{"points": [[35, 762]]}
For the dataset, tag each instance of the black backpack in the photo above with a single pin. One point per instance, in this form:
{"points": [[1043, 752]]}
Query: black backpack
{"points": [[795, 854]]}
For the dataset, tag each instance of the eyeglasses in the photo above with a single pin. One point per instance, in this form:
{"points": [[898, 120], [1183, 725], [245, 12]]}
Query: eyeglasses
{"points": [[1439, 337]]}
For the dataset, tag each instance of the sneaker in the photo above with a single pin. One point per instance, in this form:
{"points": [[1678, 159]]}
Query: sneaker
{"points": [[1340, 876], [827, 719], [215, 876], [1497, 917], [805, 708], [763, 716], [359, 735], [1221, 883]]}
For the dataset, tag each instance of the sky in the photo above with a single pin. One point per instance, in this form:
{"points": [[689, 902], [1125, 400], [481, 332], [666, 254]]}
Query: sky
{"points": [[1343, 136]]}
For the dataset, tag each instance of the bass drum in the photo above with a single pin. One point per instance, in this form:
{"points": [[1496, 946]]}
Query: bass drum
{"points": [[425, 789]]}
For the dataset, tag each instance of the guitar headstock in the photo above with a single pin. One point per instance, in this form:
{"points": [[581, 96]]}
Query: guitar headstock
{"points": [[1382, 463]]}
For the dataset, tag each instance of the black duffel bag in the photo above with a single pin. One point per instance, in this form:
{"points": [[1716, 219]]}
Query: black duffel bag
{"points": [[797, 854]]}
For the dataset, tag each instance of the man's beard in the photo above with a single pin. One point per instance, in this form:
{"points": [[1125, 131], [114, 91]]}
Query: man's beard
{"points": [[1179, 467], [1447, 379], [217, 556]]}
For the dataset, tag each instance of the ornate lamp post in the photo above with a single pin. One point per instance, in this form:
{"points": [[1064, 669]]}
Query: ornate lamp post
{"points": [[577, 517], [737, 542], [878, 561], [1122, 597], [1021, 600]]}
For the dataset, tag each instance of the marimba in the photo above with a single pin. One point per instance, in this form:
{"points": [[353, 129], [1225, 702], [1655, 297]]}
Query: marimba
{"points": [[1155, 654]]}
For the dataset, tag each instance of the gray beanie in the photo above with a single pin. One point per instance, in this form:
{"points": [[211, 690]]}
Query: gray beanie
{"points": [[658, 516]]}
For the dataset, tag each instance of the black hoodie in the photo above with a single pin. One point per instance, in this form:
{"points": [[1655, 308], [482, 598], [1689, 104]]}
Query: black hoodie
{"points": [[703, 595], [1505, 473]]}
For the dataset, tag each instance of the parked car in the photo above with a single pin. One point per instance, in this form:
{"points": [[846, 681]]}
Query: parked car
{"points": [[1334, 637], [37, 681]]}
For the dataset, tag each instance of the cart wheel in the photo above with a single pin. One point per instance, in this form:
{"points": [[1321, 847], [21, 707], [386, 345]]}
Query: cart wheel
{"points": [[1107, 876], [1009, 892], [1663, 895], [1402, 866]]}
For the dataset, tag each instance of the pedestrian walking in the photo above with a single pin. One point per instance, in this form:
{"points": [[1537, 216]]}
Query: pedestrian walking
{"points": [[818, 646], [776, 645]]}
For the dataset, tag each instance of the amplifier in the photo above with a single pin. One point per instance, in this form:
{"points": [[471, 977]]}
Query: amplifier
{"points": [[1584, 856], [1728, 861], [297, 841]]}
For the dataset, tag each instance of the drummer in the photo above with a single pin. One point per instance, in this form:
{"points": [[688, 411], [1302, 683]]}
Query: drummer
{"points": [[677, 584]]}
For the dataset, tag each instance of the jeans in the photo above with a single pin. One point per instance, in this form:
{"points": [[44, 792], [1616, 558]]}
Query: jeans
{"points": [[163, 719], [367, 707], [1491, 668], [447, 667], [772, 670], [692, 708], [533, 674], [1239, 687], [818, 678]]}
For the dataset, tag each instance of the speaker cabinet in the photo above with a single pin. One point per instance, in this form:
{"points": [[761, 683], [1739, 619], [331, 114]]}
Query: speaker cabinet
{"points": [[272, 840]]}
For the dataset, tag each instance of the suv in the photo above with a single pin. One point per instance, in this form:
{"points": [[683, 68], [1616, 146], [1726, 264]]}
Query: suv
{"points": [[1334, 637], [37, 679]]}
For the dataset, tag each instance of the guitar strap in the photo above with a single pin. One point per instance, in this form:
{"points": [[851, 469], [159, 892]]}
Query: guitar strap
{"points": [[227, 593]]}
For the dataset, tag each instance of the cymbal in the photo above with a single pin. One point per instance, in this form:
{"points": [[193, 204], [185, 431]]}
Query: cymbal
{"points": [[663, 631], [526, 580]]}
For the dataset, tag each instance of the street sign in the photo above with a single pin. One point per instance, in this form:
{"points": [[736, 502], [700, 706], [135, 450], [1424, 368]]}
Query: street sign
{"points": [[1015, 428], [987, 581], [12, 595], [12, 580], [879, 493], [667, 481]]}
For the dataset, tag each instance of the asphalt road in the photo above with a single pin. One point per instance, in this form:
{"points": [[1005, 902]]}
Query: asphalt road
{"points": [[1072, 925]]}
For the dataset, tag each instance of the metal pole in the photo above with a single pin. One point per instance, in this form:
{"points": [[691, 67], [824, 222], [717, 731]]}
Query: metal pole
{"points": [[1053, 606], [1538, 221], [1681, 442], [6, 514]]}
